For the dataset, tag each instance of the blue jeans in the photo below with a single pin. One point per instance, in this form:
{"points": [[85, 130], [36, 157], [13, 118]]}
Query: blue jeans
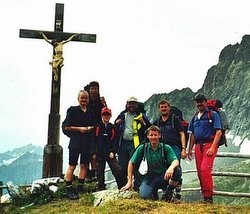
{"points": [[149, 187], [125, 152]]}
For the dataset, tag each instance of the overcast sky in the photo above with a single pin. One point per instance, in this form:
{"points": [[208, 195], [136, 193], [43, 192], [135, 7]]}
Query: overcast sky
{"points": [[143, 47]]}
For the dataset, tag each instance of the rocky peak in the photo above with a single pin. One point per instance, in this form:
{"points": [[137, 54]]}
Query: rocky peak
{"points": [[229, 81]]}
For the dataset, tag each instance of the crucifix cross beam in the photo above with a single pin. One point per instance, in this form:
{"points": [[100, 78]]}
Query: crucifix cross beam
{"points": [[52, 156], [58, 38], [58, 33]]}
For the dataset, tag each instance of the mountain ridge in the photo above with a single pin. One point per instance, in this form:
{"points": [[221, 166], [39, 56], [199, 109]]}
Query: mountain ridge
{"points": [[228, 80], [22, 165]]}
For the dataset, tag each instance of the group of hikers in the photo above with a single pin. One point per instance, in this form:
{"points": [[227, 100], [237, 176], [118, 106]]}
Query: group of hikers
{"points": [[143, 156]]}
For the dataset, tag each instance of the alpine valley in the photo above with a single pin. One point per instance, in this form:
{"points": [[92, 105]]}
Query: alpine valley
{"points": [[228, 81]]}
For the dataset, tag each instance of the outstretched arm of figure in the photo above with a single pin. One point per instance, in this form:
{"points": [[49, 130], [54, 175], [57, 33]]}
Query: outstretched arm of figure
{"points": [[69, 39], [45, 37]]}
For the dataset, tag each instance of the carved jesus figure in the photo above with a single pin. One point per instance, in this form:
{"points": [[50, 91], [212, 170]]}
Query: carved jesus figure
{"points": [[57, 60]]}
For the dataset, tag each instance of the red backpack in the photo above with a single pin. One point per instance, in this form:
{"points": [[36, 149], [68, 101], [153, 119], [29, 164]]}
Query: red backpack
{"points": [[216, 105]]}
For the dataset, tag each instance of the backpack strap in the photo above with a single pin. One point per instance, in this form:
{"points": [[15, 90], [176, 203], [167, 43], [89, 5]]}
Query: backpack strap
{"points": [[172, 120], [145, 150], [162, 150], [209, 115], [209, 119], [112, 133], [163, 153], [97, 130]]}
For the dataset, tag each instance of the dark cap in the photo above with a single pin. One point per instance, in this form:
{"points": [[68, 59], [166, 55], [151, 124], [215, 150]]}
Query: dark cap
{"points": [[106, 110], [200, 96]]}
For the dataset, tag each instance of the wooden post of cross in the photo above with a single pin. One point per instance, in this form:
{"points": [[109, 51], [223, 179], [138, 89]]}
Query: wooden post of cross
{"points": [[53, 152]]}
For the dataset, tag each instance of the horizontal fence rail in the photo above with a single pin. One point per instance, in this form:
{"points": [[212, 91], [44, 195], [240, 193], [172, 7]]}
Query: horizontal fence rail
{"points": [[215, 173], [232, 155], [221, 193], [224, 174]]}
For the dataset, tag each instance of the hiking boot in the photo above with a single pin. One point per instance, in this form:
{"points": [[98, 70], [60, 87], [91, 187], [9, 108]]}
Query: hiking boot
{"points": [[91, 176], [208, 200], [72, 193], [88, 176], [177, 198], [167, 196], [94, 178], [80, 189], [88, 179], [155, 196]]}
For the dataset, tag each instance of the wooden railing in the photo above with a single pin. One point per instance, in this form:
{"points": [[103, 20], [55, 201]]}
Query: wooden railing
{"points": [[224, 174], [215, 173]]}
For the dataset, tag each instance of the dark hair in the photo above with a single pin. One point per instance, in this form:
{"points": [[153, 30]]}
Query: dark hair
{"points": [[91, 84], [219, 104], [94, 84]]}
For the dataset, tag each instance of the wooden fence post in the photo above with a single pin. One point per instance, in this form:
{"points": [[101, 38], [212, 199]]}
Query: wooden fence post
{"points": [[1, 189]]}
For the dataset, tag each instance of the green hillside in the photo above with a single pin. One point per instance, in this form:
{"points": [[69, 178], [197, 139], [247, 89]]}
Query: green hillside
{"points": [[128, 206]]}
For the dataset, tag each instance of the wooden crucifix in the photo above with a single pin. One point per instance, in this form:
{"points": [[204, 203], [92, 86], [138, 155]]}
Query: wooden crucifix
{"points": [[52, 155]]}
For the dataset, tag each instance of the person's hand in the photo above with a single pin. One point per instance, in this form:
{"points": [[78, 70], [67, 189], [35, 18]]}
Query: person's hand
{"points": [[83, 129], [118, 121], [210, 151], [103, 101], [89, 128], [128, 186], [142, 121], [169, 173], [183, 153]]}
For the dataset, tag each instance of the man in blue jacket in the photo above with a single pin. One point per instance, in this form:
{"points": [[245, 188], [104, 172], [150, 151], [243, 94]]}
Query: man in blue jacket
{"points": [[205, 129]]}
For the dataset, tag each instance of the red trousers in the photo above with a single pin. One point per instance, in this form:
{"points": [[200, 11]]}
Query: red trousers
{"points": [[204, 166]]}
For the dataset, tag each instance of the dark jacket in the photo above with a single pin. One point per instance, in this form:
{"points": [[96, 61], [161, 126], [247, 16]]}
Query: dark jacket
{"points": [[170, 130], [105, 138], [76, 117], [120, 128]]}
